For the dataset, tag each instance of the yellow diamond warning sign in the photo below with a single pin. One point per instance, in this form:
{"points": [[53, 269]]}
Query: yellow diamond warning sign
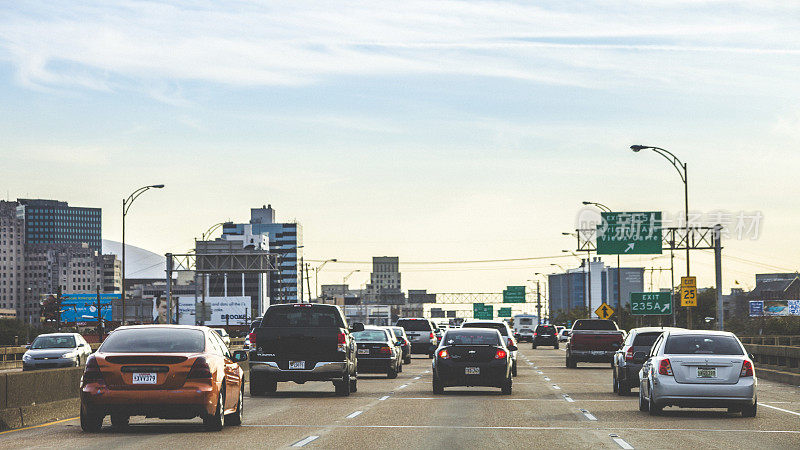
{"points": [[604, 311]]}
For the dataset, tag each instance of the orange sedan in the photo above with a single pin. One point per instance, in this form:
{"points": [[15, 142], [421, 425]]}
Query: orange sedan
{"points": [[163, 371]]}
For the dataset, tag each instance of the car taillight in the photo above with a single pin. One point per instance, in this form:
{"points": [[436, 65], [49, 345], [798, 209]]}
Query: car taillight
{"points": [[443, 354], [200, 369], [252, 338], [342, 342], [501, 354], [629, 354], [747, 369], [433, 336], [385, 350], [535, 334], [510, 342], [91, 374], [664, 367]]}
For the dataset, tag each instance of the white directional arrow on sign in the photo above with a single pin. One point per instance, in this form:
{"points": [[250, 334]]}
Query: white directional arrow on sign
{"points": [[665, 308], [630, 247]]}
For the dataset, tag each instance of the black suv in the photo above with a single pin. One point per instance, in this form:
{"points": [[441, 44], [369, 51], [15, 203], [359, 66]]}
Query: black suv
{"points": [[545, 335], [303, 342]]}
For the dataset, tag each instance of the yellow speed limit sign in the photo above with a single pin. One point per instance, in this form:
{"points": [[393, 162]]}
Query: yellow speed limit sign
{"points": [[688, 291]]}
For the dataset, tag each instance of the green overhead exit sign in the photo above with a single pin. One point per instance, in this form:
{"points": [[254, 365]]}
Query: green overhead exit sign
{"points": [[629, 233]]}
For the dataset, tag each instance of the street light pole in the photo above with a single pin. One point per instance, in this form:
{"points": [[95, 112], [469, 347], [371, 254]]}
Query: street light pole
{"points": [[316, 275], [682, 172], [605, 208], [344, 283], [126, 205]]}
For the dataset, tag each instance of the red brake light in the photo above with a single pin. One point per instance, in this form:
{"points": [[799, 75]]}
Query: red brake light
{"points": [[252, 337], [443, 354], [501, 354], [342, 337], [664, 367], [200, 369], [432, 335], [385, 350], [91, 374], [629, 354], [747, 369]]}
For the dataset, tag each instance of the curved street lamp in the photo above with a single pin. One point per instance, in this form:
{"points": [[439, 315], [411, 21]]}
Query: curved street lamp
{"points": [[126, 205], [681, 168], [605, 208], [316, 275]]}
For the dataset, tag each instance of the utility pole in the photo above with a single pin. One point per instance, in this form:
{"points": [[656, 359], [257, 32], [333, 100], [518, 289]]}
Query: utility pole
{"points": [[538, 304], [99, 317], [718, 275], [58, 308], [308, 281], [302, 270]]}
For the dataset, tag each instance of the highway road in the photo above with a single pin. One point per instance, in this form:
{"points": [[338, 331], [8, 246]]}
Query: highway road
{"points": [[551, 407]]}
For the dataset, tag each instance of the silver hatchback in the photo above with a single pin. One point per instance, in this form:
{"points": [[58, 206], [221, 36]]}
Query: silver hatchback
{"points": [[697, 369]]}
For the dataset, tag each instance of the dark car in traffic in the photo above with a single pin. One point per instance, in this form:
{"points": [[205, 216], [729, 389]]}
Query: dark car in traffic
{"points": [[378, 351], [545, 335], [303, 342], [422, 334], [625, 374], [593, 340], [472, 357]]}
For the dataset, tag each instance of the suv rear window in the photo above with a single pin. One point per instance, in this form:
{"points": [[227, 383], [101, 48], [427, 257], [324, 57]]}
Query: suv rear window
{"points": [[495, 326], [370, 335], [526, 321], [702, 345], [546, 329], [594, 325], [414, 325], [645, 339], [155, 340], [302, 316]]}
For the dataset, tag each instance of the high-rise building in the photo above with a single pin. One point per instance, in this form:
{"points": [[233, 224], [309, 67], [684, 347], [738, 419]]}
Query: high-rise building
{"points": [[55, 222], [12, 259], [568, 291], [112, 274], [384, 287], [284, 239]]}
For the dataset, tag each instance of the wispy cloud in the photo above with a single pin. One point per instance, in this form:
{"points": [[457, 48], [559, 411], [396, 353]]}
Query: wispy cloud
{"points": [[144, 46]]}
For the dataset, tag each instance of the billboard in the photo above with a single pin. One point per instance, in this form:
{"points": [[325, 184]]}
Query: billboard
{"points": [[774, 308], [75, 306], [224, 310]]}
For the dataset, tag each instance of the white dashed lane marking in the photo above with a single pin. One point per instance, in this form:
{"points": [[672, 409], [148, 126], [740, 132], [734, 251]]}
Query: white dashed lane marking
{"points": [[621, 442], [305, 441], [588, 414], [355, 414]]}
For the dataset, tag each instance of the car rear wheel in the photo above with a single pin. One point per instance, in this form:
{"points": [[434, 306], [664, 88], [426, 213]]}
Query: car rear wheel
{"points": [[506, 388], [353, 384], [235, 418], [514, 369], [614, 382], [623, 389], [555, 347], [750, 410], [533, 346], [399, 366], [571, 363], [91, 421], [407, 360], [391, 373], [438, 388], [120, 421], [654, 407], [643, 406], [342, 386], [214, 421]]}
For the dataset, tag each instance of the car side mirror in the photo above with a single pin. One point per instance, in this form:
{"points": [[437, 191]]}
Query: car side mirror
{"points": [[751, 356], [358, 326], [239, 355], [513, 348], [639, 357], [28, 347]]}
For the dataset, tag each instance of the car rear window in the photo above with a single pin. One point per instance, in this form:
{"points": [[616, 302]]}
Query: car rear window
{"points": [[155, 340], [370, 335], [645, 339], [494, 326], [301, 316], [414, 325], [526, 321], [594, 325], [702, 345], [545, 329], [470, 338]]}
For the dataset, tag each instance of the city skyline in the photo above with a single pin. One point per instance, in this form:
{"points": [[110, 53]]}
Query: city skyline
{"points": [[438, 132]]}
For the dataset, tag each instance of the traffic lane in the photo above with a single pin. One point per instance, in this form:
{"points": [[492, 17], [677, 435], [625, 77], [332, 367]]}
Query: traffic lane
{"points": [[310, 403]]}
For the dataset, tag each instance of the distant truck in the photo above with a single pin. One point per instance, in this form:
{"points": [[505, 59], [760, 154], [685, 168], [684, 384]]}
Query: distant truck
{"points": [[593, 340], [524, 325]]}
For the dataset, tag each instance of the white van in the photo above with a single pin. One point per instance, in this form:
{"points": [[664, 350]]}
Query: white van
{"points": [[524, 325]]}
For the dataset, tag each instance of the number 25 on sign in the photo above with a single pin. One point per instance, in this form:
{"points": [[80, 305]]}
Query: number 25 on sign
{"points": [[688, 291]]}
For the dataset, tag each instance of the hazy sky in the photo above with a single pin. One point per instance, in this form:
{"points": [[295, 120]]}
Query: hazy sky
{"points": [[434, 131]]}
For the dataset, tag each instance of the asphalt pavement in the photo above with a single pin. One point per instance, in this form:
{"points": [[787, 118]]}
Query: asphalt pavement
{"points": [[551, 407]]}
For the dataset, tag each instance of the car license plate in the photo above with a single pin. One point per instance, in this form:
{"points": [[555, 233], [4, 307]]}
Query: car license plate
{"points": [[363, 351], [297, 364], [472, 370], [144, 378], [706, 372]]}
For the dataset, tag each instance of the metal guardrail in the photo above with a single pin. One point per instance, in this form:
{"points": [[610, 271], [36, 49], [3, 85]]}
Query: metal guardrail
{"points": [[790, 340]]}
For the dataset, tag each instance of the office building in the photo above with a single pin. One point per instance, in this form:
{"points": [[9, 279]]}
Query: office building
{"points": [[55, 222], [112, 274], [12, 260], [568, 291], [384, 287], [283, 239]]}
